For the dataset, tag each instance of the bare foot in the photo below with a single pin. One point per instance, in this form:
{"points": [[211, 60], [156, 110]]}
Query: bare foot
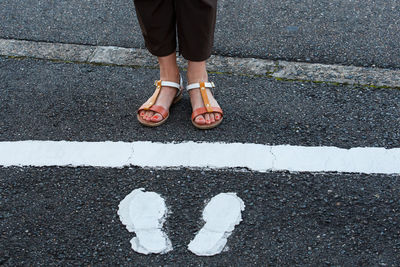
{"points": [[197, 73], [168, 72]]}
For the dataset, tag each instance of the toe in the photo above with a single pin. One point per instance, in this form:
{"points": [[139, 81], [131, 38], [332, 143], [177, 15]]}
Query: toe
{"points": [[146, 115], [207, 118], [149, 114], [200, 120], [156, 117], [142, 113], [217, 116], [212, 117]]}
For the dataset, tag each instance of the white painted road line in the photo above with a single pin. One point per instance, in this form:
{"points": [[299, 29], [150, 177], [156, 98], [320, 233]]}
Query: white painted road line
{"points": [[256, 157]]}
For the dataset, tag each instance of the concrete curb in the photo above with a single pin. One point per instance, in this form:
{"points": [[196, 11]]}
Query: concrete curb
{"points": [[137, 57]]}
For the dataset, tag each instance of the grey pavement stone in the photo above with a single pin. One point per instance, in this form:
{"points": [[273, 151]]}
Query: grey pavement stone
{"points": [[141, 57], [240, 65], [123, 56], [338, 74], [70, 52], [220, 64]]}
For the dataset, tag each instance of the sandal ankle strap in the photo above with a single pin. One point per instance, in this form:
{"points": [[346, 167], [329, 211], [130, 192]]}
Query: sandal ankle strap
{"points": [[197, 85], [161, 83], [170, 84]]}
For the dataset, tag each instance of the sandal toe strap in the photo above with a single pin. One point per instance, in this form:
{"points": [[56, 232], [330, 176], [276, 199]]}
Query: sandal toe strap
{"points": [[149, 103], [203, 110], [156, 108], [203, 92]]}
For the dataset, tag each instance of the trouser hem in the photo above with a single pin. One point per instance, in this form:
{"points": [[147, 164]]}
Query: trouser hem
{"points": [[162, 54]]}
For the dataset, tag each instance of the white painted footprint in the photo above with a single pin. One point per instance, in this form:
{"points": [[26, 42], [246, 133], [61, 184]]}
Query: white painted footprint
{"points": [[144, 213], [221, 215]]}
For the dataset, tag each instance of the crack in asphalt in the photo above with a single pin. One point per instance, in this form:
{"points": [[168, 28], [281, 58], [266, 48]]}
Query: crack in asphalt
{"points": [[273, 158], [128, 161]]}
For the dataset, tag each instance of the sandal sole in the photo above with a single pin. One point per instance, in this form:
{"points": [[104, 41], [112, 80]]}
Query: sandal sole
{"points": [[207, 126]]}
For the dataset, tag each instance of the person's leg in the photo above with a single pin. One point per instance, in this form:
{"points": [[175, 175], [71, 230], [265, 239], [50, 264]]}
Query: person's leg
{"points": [[196, 23], [168, 72], [157, 21], [197, 73]]}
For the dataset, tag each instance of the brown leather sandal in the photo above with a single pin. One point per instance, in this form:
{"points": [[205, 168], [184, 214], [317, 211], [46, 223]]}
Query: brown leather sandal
{"points": [[149, 104], [207, 107]]}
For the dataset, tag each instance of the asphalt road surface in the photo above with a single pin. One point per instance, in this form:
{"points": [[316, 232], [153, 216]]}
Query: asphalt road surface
{"points": [[68, 216], [58, 101], [359, 32]]}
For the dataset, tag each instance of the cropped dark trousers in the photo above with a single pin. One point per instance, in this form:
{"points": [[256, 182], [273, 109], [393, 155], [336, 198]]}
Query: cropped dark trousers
{"points": [[192, 21]]}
